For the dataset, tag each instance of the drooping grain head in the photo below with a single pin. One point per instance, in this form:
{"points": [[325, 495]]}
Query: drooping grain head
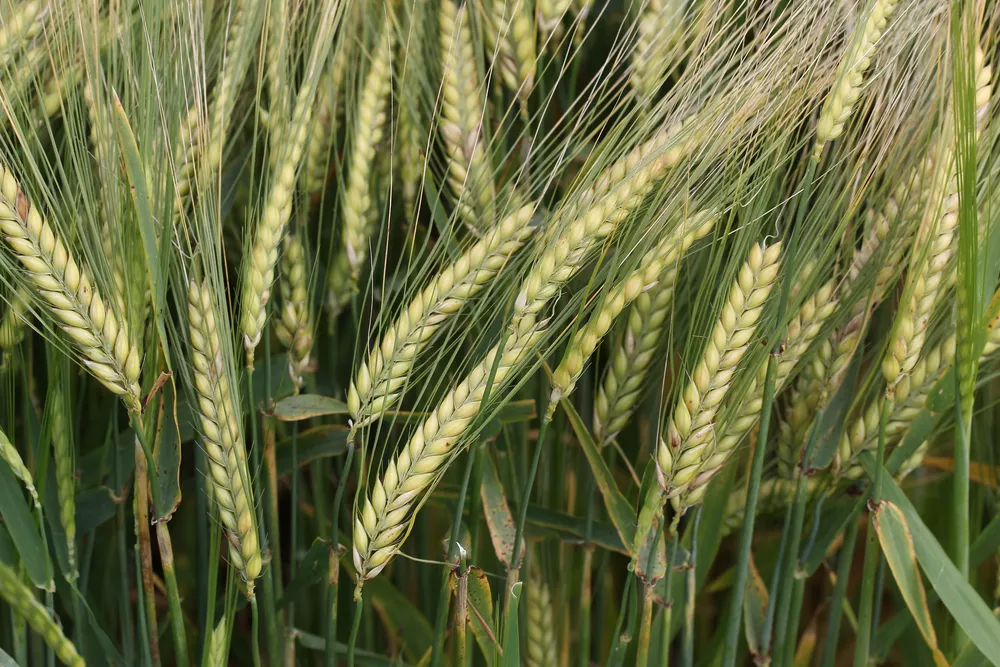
{"points": [[222, 435], [22, 600], [99, 334]]}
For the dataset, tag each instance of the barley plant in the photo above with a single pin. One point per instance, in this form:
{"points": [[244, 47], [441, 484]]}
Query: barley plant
{"points": [[454, 333]]}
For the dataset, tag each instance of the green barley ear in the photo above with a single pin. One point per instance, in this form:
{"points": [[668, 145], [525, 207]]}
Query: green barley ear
{"points": [[384, 518], [379, 381], [690, 435], [64, 457], [850, 76], [22, 600], [462, 120], [221, 435], [19, 27], [540, 633], [357, 208], [14, 321], [736, 425], [930, 268], [325, 122], [12, 458], [259, 264], [294, 325], [509, 33], [102, 340], [550, 14], [660, 30], [658, 268]]}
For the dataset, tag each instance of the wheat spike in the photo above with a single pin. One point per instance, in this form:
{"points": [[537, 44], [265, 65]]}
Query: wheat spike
{"points": [[802, 331], [660, 30], [929, 271], [325, 122], [379, 381], [294, 325], [850, 76], [218, 652], [550, 14], [259, 265], [690, 431], [462, 117], [12, 457], [509, 32], [385, 516], [23, 601], [102, 339], [20, 26], [658, 267], [14, 320], [209, 142], [221, 435], [540, 632], [357, 208], [63, 455]]}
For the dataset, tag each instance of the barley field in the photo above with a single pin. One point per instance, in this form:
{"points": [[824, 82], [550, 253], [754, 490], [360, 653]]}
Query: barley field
{"points": [[490, 333]]}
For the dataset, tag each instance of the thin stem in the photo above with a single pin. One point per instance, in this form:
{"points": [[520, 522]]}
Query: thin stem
{"points": [[353, 641], [440, 623], [844, 562], [255, 631], [960, 499], [687, 653], [757, 466], [173, 595], [784, 632], [525, 501], [334, 587], [872, 553], [645, 628]]}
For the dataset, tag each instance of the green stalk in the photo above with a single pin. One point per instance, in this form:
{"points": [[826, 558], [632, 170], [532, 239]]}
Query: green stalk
{"points": [[333, 589], [522, 519], [645, 628], [255, 631], [215, 544], [173, 595], [687, 652], [144, 631], [862, 648], [353, 640], [293, 536], [267, 590], [757, 466], [784, 632], [441, 622], [844, 562], [586, 583], [798, 593]]}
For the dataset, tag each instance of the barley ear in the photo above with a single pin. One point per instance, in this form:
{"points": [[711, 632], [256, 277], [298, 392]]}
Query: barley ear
{"points": [[850, 77], [103, 341], [21, 23], [658, 267], [63, 455], [221, 435], [294, 325], [12, 458], [690, 432], [22, 600], [510, 34], [357, 207], [462, 118], [660, 30], [540, 633], [379, 381], [14, 321]]}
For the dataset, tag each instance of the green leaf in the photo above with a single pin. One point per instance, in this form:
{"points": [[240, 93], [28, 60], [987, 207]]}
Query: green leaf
{"points": [[511, 640], [833, 419], [362, 657], [651, 558], [987, 543], [167, 453], [619, 509], [147, 226], [6, 660], [307, 406], [755, 604], [834, 520], [965, 605], [93, 508], [498, 517], [316, 443], [481, 613], [897, 545], [311, 570], [401, 617], [23, 530]]}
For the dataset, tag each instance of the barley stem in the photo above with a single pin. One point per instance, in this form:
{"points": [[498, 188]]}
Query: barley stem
{"points": [[173, 594]]}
